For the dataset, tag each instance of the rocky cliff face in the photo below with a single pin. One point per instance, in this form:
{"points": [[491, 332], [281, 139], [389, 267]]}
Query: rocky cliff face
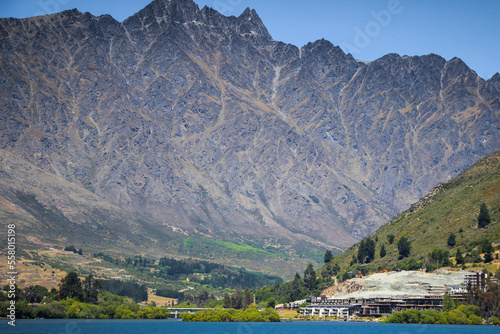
{"points": [[203, 123]]}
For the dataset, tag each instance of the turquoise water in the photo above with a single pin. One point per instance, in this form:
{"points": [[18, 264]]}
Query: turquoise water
{"points": [[177, 327]]}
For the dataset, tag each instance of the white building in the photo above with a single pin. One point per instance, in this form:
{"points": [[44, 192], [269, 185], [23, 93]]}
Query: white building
{"points": [[456, 289]]}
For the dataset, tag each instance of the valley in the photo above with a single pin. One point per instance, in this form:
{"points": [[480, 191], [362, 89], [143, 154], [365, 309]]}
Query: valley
{"points": [[180, 124]]}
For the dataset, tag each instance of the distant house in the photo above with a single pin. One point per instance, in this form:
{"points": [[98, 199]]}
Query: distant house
{"points": [[295, 305], [456, 289]]}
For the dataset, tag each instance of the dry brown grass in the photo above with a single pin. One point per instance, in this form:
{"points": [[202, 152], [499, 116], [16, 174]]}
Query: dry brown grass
{"points": [[41, 272], [161, 301], [30, 273], [288, 314]]}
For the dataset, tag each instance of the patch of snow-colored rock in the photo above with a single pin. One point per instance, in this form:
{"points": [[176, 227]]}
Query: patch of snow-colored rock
{"points": [[397, 284]]}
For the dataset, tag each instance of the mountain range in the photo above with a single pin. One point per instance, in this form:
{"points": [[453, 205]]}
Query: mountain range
{"points": [[189, 123]]}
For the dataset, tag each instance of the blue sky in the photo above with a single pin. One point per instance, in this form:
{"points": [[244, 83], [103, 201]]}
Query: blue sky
{"points": [[368, 29]]}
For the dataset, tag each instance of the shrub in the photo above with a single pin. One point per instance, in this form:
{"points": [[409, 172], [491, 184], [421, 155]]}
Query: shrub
{"points": [[396, 317], [70, 248], [233, 315], [475, 320]]}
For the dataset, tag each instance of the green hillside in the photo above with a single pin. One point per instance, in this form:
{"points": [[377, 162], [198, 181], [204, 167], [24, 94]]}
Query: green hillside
{"points": [[452, 207]]}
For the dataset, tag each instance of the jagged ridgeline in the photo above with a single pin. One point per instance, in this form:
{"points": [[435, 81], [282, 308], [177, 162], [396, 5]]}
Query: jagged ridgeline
{"points": [[442, 229], [180, 122]]}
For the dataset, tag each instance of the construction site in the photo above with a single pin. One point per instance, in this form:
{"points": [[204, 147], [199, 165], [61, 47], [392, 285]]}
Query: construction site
{"points": [[388, 292]]}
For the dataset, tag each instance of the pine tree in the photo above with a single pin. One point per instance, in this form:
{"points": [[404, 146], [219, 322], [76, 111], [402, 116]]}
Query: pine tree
{"points": [[366, 251], [227, 301], [488, 257], [487, 249], [237, 300], [247, 299], [202, 298], [328, 256], [71, 287], [370, 250], [310, 277], [404, 248], [91, 289], [451, 240], [361, 251], [296, 287], [30, 294], [335, 269], [382, 251], [483, 219], [486, 246], [459, 258]]}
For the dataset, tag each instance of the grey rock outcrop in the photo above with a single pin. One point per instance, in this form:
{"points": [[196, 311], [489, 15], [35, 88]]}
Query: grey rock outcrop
{"points": [[203, 122]]}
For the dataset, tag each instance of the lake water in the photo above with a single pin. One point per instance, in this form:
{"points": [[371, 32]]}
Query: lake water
{"points": [[49, 326]]}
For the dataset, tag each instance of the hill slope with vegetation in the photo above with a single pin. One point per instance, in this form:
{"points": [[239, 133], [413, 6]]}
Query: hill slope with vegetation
{"points": [[456, 224]]}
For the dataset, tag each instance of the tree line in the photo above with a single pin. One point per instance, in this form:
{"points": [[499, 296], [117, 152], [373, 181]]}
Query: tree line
{"points": [[232, 315], [138, 292], [198, 271], [77, 298]]}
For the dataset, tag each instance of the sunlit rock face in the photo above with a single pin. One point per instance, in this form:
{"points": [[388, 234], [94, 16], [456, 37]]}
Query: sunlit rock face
{"points": [[203, 122]]}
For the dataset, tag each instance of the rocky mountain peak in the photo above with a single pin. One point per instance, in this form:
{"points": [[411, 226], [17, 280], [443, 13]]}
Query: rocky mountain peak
{"points": [[183, 10], [209, 12], [201, 122], [322, 46], [70, 13], [251, 24], [175, 10], [457, 66], [162, 13], [324, 52], [495, 81]]}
